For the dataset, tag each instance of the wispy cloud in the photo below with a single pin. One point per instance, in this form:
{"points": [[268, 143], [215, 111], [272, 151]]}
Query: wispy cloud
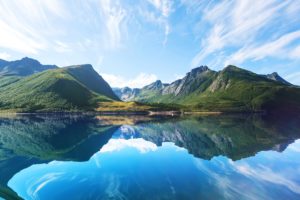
{"points": [[113, 16], [214, 33], [293, 78], [237, 27], [277, 48], [267, 174], [139, 81], [295, 53], [25, 25], [4, 56], [165, 8], [141, 145], [62, 47]]}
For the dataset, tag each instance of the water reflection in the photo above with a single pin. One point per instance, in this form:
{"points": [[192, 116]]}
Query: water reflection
{"points": [[213, 157], [26, 140]]}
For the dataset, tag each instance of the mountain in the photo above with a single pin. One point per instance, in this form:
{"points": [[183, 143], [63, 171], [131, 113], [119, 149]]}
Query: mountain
{"points": [[24, 67], [72, 88], [3, 63], [126, 93], [200, 76], [275, 77], [231, 89], [87, 76], [28, 86]]}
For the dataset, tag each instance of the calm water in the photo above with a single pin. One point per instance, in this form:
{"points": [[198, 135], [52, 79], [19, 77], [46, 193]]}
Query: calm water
{"points": [[212, 157]]}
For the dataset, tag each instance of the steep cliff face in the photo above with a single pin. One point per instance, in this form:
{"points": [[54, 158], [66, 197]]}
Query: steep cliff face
{"points": [[196, 80], [231, 89]]}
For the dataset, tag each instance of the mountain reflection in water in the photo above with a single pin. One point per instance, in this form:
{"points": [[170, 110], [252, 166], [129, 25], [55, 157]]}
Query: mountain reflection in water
{"points": [[203, 157]]}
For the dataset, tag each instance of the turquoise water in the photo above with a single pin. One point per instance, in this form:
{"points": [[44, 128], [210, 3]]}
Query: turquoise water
{"points": [[214, 157]]}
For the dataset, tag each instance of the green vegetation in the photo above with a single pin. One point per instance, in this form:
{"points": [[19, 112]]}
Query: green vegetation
{"points": [[54, 90], [230, 90], [120, 106], [81, 88]]}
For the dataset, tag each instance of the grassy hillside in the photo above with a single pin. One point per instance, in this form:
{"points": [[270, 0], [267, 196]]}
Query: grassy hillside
{"points": [[53, 90], [232, 89], [235, 89]]}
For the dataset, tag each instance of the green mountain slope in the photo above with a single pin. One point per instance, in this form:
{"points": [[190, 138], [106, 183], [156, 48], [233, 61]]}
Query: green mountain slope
{"points": [[91, 79], [232, 89], [235, 89], [55, 90]]}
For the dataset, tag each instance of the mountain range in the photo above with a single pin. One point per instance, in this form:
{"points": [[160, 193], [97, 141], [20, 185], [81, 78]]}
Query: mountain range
{"points": [[231, 89], [24, 67], [28, 86], [71, 88]]}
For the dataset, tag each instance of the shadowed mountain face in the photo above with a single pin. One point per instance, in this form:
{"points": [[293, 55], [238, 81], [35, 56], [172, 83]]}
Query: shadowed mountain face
{"points": [[87, 76], [231, 89], [24, 67]]}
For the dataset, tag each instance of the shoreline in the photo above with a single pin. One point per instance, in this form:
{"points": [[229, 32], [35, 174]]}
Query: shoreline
{"points": [[144, 113]]}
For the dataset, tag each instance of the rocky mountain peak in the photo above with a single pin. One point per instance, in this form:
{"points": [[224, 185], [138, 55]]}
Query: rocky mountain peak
{"points": [[231, 68], [125, 89], [29, 61], [155, 85], [275, 77], [198, 70]]}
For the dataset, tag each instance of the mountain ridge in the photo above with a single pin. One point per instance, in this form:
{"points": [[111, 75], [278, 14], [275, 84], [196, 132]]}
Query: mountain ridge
{"points": [[23, 67], [60, 89], [232, 89], [128, 94], [80, 88]]}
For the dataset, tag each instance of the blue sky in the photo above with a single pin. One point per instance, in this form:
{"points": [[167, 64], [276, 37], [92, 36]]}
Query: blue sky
{"points": [[135, 42]]}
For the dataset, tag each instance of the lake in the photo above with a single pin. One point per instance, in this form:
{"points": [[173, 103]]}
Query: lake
{"points": [[142, 157]]}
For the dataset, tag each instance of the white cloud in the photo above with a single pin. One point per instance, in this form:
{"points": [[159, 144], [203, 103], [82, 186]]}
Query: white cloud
{"points": [[139, 144], [139, 81], [236, 25], [296, 145], [178, 76], [62, 47], [4, 56], [276, 48], [25, 25], [295, 53], [293, 78], [13, 39], [266, 174], [165, 8], [113, 16]]}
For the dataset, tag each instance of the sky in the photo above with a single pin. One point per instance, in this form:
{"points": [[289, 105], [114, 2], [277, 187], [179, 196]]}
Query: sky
{"points": [[135, 42]]}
